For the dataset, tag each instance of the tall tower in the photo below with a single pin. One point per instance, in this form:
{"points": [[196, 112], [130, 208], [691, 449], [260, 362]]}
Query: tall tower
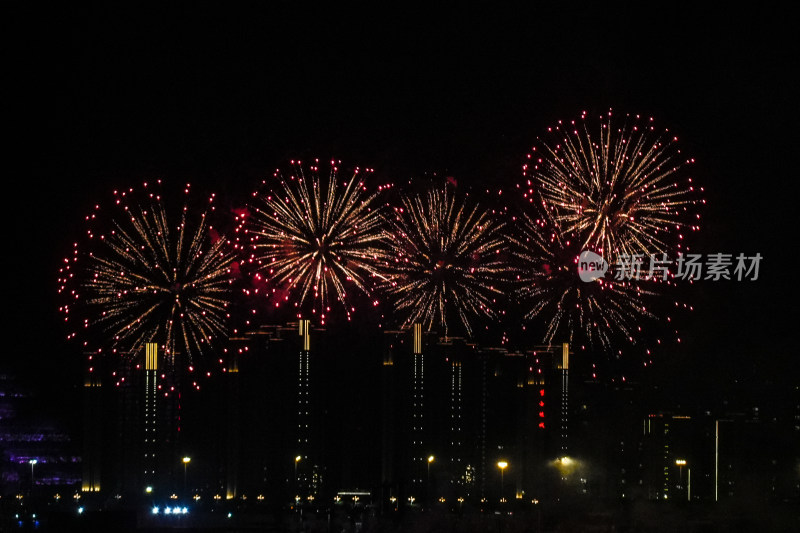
{"points": [[388, 479], [482, 431], [93, 431], [303, 406], [417, 410], [545, 430], [564, 369], [150, 419], [456, 422], [233, 444]]}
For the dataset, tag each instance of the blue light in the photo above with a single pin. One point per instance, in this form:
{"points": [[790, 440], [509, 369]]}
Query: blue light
{"points": [[155, 510], [80, 510]]}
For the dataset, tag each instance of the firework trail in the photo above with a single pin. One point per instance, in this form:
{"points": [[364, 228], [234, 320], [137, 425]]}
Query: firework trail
{"points": [[148, 277], [317, 239], [446, 262]]}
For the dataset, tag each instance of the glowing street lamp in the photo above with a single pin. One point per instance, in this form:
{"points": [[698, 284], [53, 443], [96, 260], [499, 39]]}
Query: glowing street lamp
{"points": [[681, 463], [428, 484], [186, 461], [32, 462], [502, 465], [297, 459]]}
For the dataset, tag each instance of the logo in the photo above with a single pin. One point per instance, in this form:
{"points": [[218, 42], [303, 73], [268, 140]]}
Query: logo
{"points": [[591, 266]]}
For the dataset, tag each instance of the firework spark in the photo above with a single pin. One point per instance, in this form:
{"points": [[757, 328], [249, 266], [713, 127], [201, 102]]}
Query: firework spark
{"points": [[618, 189], [317, 238], [149, 278], [446, 260]]}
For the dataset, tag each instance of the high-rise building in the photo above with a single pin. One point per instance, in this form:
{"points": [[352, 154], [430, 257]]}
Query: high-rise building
{"points": [[94, 420], [145, 421], [667, 456], [150, 424], [452, 409], [233, 451], [393, 343], [545, 449], [304, 467], [418, 455]]}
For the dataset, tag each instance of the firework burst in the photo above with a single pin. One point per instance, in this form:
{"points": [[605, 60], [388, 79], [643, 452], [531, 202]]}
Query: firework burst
{"points": [[596, 312], [148, 277], [317, 239], [446, 261], [619, 189]]}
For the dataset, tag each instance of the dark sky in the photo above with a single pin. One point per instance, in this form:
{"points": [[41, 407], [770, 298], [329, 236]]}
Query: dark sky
{"points": [[93, 100]]}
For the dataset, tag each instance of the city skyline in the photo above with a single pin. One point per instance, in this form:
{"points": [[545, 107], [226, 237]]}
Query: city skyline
{"points": [[447, 100]]}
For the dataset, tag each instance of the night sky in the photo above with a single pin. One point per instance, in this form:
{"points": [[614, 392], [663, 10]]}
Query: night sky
{"points": [[94, 100]]}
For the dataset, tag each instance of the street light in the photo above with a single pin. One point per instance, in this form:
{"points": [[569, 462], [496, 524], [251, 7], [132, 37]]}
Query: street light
{"points": [[296, 460], [32, 462], [681, 463], [428, 485], [502, 465], [186, 461]]}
